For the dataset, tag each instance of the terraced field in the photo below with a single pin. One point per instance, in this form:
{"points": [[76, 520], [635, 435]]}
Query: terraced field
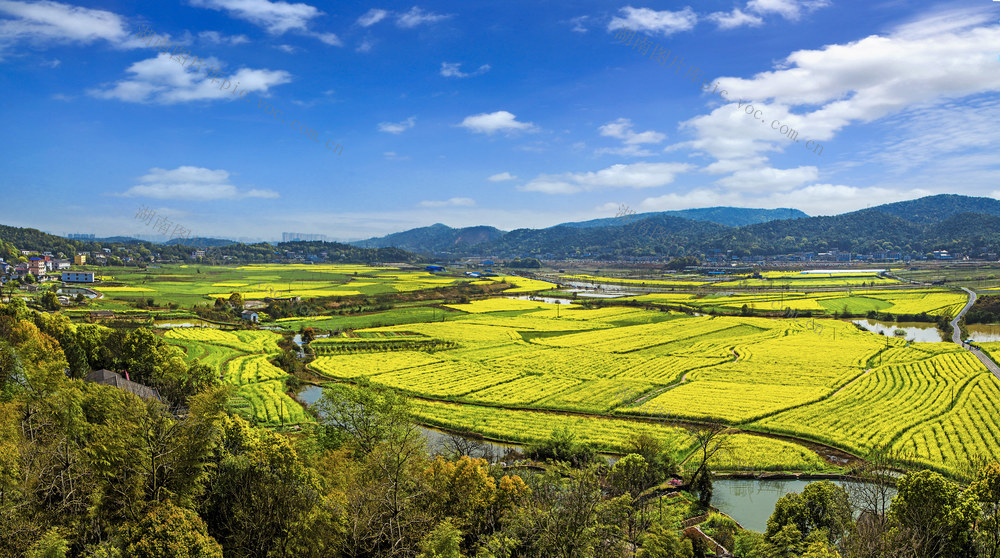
{"points": [[242, 359], [858, 302], [513, 369]]}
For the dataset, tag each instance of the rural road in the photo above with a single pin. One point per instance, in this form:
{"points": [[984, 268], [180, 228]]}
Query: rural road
{"points": [[956, 336]]}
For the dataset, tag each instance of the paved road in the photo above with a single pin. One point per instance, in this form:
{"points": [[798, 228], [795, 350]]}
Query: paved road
{"points": [[956, 336]]}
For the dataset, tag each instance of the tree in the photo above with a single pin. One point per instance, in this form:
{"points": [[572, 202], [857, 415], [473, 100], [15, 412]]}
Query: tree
{"points": [[51, 545], [361, 417], [709, 440], [236, 299], [443, 542], [822, 507], [662, 464], [50, 301], [930, 517], [664, 541], [562, 445], [263, 500], [986, 490], [169, 531], [79, 298], [629, 474]]}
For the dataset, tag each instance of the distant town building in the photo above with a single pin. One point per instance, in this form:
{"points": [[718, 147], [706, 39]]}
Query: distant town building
{"points": [[78, 276], [81, 236], [293, 237]]}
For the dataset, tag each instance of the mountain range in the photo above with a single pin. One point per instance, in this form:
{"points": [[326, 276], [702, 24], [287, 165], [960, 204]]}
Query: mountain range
{"points": [[957, 223]]}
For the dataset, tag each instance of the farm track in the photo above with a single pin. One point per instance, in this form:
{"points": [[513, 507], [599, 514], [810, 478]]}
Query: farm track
{"points": [[956, 337]]}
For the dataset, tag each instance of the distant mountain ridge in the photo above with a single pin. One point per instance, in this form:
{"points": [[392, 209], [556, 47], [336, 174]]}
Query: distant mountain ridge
{"points": [[728, 216], [915, 227], [436, 238]]}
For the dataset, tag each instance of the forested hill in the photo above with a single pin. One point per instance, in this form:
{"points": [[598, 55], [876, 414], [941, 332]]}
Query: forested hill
{"points": [[933, 209], [914, 228], [15, 239], [955, 223], [729, 216], [436, 238]]}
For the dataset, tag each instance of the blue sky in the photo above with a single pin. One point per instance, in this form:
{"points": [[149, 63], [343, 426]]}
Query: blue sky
{"points": [[511, 114]]}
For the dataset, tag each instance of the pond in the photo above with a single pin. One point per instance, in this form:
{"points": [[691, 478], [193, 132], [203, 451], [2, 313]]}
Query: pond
{"points": [[915, 331], [73, 291], [751, 501], [983, 333]]}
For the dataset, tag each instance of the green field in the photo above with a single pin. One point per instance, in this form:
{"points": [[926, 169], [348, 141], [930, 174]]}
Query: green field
{"points": [[241, 359], [192, 284], [815, 379], [510, 369]]}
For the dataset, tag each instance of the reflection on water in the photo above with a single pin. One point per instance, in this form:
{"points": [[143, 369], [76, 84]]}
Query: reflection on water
{"points": [[310, 394], [983, 333], [75, 291], [915, 331], [751, 502]]}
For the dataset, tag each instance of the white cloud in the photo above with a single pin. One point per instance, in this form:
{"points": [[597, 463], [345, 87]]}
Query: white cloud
{"points": [[636, 175], [499, 121], [788, 9], [217, 38], [397, 127], [372, 17], [769, 179], [694, 198], [365, 46], [578, 24], [163, 81], [735, 18], [287, 48], [622, 129], [831, 199], [48, 21], [453, 202], [930, 77], [416, 17], [329, 38], [663, 22], [275, 17], [449, 69], [191, 183], [500, 177]]}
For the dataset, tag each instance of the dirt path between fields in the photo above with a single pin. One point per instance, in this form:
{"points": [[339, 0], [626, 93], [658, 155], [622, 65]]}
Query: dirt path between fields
{"points": [[956, 337]]}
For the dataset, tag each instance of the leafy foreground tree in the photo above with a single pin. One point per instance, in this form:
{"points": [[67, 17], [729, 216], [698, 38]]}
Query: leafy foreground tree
{"points": [[168, 531]]}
